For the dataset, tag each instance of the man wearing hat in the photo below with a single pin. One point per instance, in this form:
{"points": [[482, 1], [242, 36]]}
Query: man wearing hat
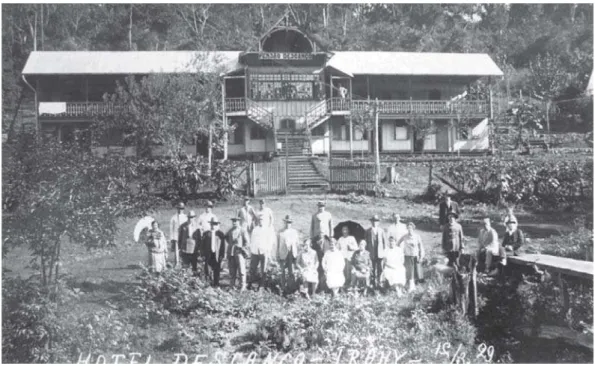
{"points": [[174, 228], [513, 238], [287, 252], [376, 245], [237, 251], [260, 252], [205, 218], [246, 215], [213, 249], [446, 206], [189, 241], [452, 239], [321, 225]]}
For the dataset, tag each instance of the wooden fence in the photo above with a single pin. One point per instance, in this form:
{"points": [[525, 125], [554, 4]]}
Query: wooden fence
{"points": [[267, 178], [347, 176]]}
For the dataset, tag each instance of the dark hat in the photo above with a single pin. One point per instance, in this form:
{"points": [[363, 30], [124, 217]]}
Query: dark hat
{"points": [[192, 214], [209, 204], [214, 221], [287, 219], [321, 204], [511, 222], [261, 200], [452, 213], [246, 199], [180, 205], [235, 218], [375, 218]]}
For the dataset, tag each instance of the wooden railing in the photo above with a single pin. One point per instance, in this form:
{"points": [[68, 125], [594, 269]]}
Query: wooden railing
{"points": [[431, 107], [259, 114], [75, 109], [316, 113], [235, 104]]}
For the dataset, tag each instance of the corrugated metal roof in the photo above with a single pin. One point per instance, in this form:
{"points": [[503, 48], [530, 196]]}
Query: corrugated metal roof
{"points": [[129, 62], [414, 63], [351, 63]]}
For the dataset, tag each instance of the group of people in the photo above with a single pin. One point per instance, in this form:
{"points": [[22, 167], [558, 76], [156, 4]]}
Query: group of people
{"points": [[492, 253], [385, 258]]}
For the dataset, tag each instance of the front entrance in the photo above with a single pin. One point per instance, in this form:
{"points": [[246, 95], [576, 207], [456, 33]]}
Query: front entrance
{"points": [[442, 135]]}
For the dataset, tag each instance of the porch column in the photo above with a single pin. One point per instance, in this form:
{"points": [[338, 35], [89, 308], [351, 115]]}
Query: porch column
{"points": [[225, 133], [350, 137], [368, 86], [86, 88]]}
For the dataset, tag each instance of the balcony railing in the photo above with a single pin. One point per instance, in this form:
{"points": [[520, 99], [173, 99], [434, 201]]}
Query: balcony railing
{"points": [[75, 109], [235, 104], [413, 107]]}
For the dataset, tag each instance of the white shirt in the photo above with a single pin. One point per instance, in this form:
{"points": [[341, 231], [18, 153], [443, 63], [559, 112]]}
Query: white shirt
{"points": [[489, 239], [174, 225], [246, 215], [267, 216], [321, 224], [288, 242], [396, 231], [260, 242], [204, 221]]}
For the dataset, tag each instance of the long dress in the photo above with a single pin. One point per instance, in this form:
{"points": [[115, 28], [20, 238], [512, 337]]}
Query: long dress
{"points": [[394, 268], [348, 246], [157, 246], [307, 266], [333, 264]]}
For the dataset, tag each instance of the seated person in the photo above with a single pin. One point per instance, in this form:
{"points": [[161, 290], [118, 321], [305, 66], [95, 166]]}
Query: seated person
{"points": [[393, 271], [513, 238], [361, 266]]}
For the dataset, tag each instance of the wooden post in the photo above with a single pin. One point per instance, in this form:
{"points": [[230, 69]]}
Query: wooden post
{"points": [[350, 138], [376, 147], [330, 139], [225, 133], [430, 175], [547, 115], [473, 292], [368, 86], [37, 126], [564, 296], [286, 163]]}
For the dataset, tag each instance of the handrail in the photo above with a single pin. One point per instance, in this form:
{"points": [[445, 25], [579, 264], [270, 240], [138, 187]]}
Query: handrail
{"points": [[259, 114], [412, 106], [76, 109], [315, 113], [235, 104]]}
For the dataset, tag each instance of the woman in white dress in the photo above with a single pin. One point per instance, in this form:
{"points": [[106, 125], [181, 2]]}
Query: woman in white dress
{"points": [[333, 264], [394, 266], [157, 246], [347, 245]]}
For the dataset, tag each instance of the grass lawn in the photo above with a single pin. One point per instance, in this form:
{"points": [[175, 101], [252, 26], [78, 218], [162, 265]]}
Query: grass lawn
{"points": [[104, 279]]}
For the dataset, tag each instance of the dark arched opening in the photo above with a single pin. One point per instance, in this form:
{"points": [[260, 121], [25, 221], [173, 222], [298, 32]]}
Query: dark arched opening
{"points": [[286, 40], [355, 230]]}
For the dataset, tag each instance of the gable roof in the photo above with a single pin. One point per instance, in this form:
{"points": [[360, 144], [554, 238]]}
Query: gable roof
{"points": [[130, 62], [414, 63]]}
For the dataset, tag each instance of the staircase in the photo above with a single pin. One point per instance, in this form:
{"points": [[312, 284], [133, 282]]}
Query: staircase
{"points": [[261, 116], [293, 144], [316, 115], [303, 177]]}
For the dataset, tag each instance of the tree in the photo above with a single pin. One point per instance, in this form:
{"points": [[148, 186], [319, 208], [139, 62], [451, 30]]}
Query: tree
{"points": [[526, 115], [53, 192], [548, 79], [170, 110]]}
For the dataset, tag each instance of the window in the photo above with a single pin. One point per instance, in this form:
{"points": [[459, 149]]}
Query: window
{"points": [[401, 131], [464, 133], [285, 87], [359, 134], [236, 137], [257, 133], [287, 124]]}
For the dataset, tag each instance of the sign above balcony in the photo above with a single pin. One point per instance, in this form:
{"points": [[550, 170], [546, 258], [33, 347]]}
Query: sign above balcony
{"points": [[284, 56]]}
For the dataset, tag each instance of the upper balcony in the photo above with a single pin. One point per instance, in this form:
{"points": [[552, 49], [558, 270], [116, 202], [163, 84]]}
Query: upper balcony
{"points": [[74, 110], [408, 108], [390, 108]]}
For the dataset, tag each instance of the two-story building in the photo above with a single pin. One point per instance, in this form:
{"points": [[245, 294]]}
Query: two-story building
{"points": [[288, 94]]}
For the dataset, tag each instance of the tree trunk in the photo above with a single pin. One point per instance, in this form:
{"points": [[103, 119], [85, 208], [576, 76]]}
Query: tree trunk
{"points": [[41, 25], [210, 153], [130, 29], [14, 117]]}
